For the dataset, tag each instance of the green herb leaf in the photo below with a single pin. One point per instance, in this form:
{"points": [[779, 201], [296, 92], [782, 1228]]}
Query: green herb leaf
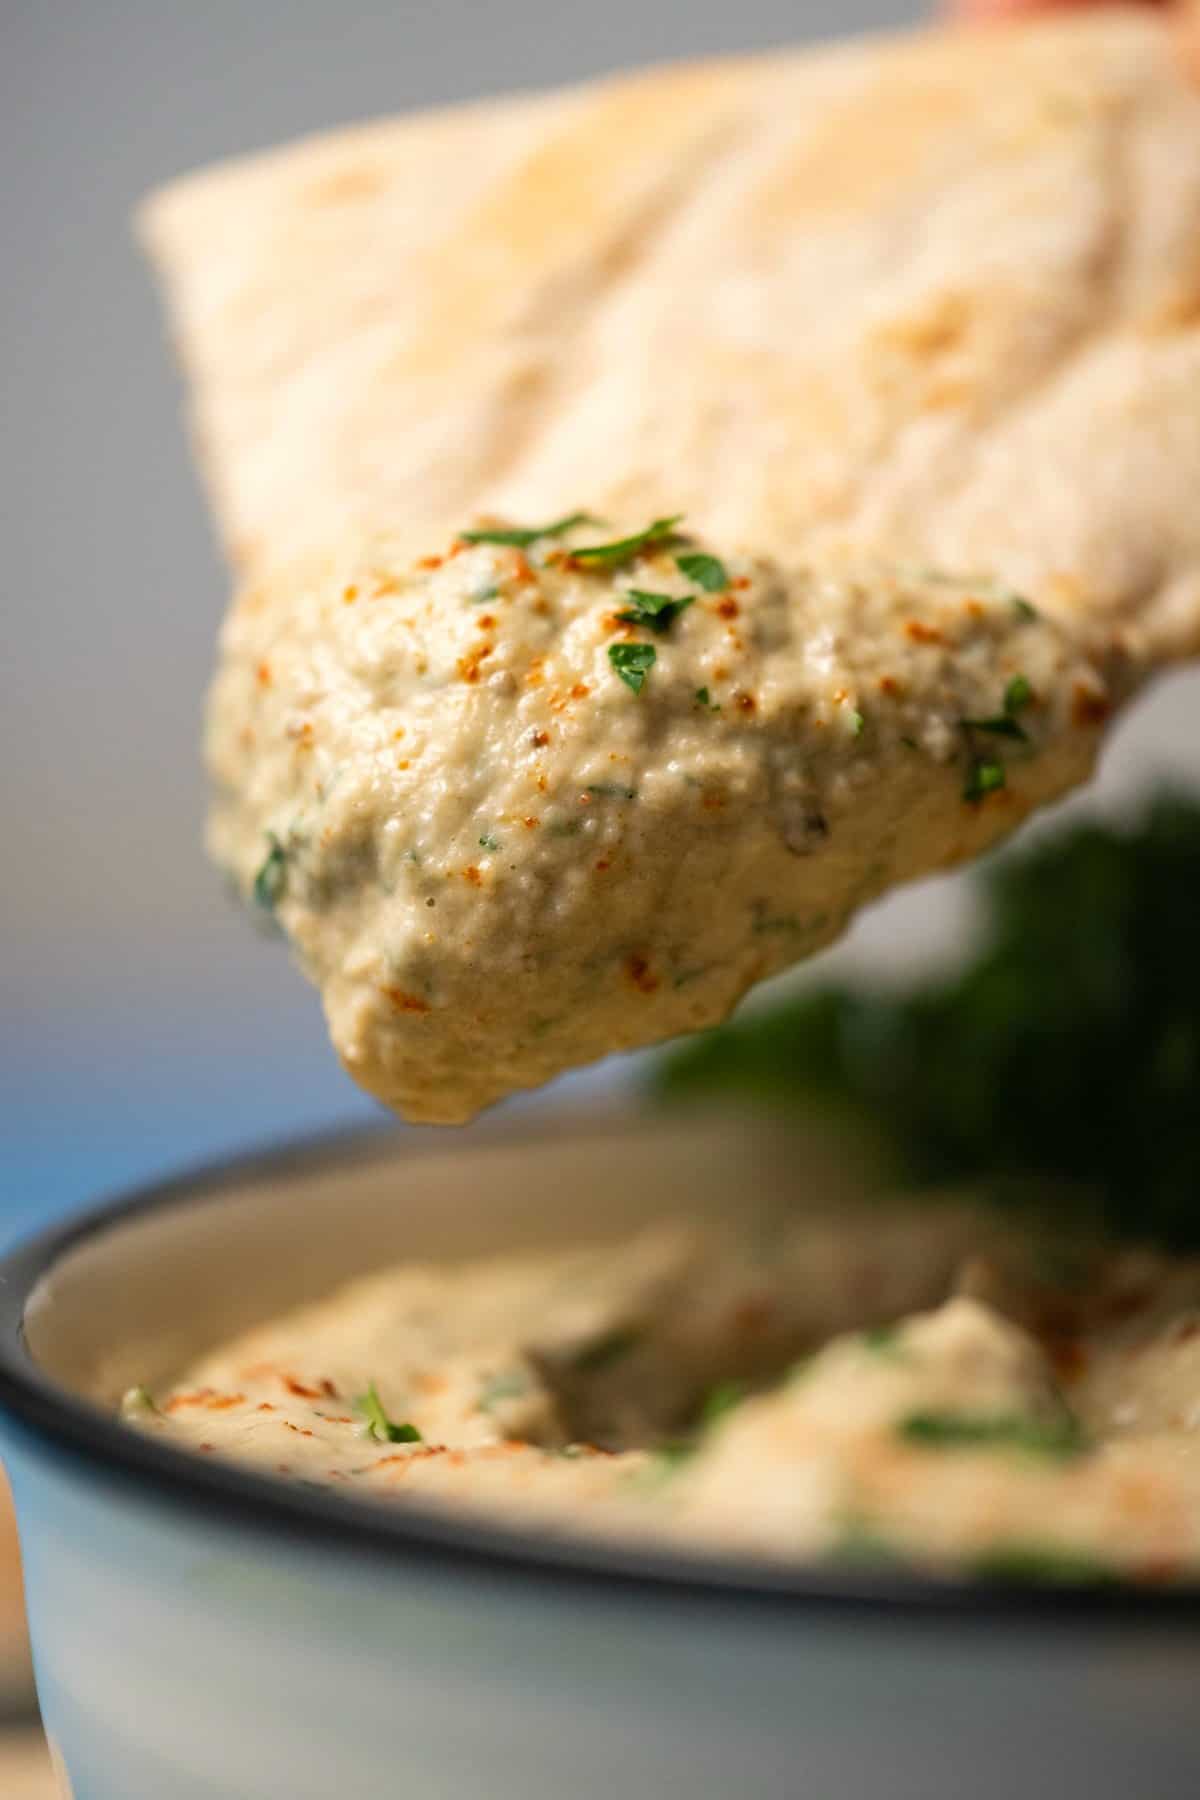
{"points": [[1020, 1562], [136, 1400], [602, 1352], [1025, 609], [881, 1340], [949, 1430], [611, 790], [703, 699], [1017, 695], [632, 662], [489, 843], [271, 879], [623, 548], [708, 572], [1001, 725], [718, 1401], [658, 611], [857, 723], [378, 1426], [861, 1541], [521, 536], [984, 776]]}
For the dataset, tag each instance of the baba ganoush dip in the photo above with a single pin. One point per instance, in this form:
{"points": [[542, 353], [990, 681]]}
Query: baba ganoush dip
{"points": [[553, 793], [911, 1383]]}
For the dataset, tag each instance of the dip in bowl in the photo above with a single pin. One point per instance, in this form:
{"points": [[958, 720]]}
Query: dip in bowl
{"points": [[205, 1627]]}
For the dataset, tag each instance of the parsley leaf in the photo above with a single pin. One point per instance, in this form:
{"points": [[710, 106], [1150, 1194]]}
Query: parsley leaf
{"points": [[1041, 1562], [857, 723], [984, 776], [1001, 725], [489, 843], [1017, 695], [708, 572], [881, 1340], [1025, 609], [950, 1430], [632, 662], [271, 878], [623, 548], [658, 611], [378, 1425], [137, 1400], [521, 536], [719, 1400]]}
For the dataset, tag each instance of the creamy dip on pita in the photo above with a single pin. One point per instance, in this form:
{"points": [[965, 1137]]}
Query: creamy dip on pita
{"points": [[902, 1382], [553, 793]]}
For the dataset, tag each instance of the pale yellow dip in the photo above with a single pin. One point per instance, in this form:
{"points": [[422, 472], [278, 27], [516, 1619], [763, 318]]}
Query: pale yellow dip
{"points": [[906, 1382]]}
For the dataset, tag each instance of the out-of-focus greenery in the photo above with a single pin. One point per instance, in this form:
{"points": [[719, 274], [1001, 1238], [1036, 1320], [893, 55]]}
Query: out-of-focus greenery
{"points": [[1067, 1050]]}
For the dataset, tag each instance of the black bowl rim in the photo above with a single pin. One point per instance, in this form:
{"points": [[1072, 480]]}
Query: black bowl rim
{"points": [[452, 1545]]}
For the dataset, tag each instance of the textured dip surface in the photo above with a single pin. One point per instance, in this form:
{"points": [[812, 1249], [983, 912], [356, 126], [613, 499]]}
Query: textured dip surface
{"points": [[901, 1383], [520, 805]]}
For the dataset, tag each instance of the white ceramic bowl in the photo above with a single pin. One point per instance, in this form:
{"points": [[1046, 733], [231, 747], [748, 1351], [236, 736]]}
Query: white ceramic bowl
{"points": [[205, 1633]]}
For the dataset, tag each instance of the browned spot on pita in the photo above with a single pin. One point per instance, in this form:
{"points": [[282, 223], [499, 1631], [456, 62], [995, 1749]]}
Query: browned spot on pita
{"points": [[353, 183]]}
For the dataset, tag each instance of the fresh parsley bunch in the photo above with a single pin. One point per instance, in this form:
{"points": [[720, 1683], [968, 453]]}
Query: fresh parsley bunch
{"points": [[1067, 1050]]}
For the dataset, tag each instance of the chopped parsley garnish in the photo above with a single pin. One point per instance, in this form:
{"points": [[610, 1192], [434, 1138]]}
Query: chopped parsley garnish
{"points": [[857, 723], [1017, 695], [137, 1400], [708, 572], [950, 1430], [611, 790], [881, 1340], [632, 662], [861, 1541], [1041, 1562], [719, 1400], [1024, 609], [702, 699], [1001, 725], [271, 878], [602, 1352], [655, 533], [521, 536], [377, 1424], [658, 611], [985, 775], [489, 843]]}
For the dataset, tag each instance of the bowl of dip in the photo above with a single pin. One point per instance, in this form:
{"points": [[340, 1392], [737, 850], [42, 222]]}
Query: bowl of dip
{"points": [[207, 1623]]}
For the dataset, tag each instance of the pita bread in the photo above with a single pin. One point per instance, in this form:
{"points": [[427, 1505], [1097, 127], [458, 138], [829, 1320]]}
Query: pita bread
{"points": [[939, 293], [931, 303]]}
